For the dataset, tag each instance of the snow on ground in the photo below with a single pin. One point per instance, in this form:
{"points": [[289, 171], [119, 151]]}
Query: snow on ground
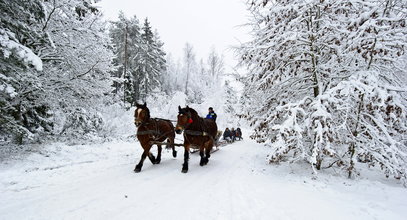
{"points": [[98, 182]]}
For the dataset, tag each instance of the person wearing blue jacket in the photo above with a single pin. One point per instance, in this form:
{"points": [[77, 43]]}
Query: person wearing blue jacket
{"points": [[211, 115]]}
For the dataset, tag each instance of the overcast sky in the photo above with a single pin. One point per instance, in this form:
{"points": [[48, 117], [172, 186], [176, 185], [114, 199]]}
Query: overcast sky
{"points": [[203, 23]]}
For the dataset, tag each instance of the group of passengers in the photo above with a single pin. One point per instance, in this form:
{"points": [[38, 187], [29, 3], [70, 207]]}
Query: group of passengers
{"points": [[232, 135], [228, 135]]}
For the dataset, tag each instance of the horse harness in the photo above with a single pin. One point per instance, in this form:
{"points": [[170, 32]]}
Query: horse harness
{"points": [[152, 132], [198, 133], [186, 132]]}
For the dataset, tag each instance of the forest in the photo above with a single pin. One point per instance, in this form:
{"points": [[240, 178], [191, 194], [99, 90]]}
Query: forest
{"points": [[319, 91], [61, 63], [324, 81]]}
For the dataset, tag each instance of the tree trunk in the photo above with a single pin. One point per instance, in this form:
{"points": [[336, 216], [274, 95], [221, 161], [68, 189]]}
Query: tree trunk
{"points": [[125, 64]]}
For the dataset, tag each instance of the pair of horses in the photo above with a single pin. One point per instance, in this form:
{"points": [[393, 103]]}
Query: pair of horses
{"points": [[199, 133]]}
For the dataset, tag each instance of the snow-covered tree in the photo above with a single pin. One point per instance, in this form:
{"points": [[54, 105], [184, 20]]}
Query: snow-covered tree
{"points": [[55, 63], [216, 66], [140, 58], [126, 38], [323, 82], [230, 99], [152, 61], [22, 110], [189, 64], [77, 65]]}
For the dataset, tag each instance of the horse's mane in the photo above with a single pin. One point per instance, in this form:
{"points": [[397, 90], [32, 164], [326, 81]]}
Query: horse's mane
{"points": [[194, 114], [148, 113]]}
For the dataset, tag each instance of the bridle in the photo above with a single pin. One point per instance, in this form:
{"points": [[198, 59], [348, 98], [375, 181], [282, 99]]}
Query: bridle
{"points": [[189, 121]]}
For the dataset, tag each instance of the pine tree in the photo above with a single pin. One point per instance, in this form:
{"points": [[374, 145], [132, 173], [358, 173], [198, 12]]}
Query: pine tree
{"points": [[152, 63], [231, 99], [161, 62], [140, 58], [22, 112], [126, 38]]}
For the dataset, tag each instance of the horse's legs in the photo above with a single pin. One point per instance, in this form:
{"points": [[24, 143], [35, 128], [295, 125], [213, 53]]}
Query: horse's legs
{"points": [[143, 157], [171, 142], [201, 153], [208, 148], [186, 158], [158, 159], [151, 157]]}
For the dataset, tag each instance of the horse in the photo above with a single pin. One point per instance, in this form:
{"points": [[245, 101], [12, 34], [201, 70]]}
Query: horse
{"points": [[151, 130], [199, 133]]}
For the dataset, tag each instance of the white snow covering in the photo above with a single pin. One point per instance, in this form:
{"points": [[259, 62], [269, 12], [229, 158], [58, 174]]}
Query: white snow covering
{"points": [[8, 89], [98, 182], [22, 52]]}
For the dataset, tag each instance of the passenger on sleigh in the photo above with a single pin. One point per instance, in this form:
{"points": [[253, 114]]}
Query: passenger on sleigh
{"points": [[238, 134], [233, 131], [227, 135]]}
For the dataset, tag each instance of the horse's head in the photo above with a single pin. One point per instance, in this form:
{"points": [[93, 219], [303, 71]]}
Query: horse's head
{"points": [[141, 114], [184, 119]]}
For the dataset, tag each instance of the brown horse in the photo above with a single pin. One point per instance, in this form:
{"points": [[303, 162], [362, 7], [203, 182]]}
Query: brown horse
{"points": [[199, 133], [151, 130]]}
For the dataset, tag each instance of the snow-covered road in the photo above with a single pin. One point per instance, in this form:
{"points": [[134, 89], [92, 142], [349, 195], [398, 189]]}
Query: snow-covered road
{"points": [[98, 182]]}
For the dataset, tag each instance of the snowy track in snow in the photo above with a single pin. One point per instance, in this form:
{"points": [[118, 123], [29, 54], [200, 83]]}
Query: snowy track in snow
{"points": [[98, 182]]}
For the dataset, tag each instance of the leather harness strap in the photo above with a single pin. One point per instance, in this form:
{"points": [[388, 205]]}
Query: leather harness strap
{"points": [[153, 132], [197, 133]]}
